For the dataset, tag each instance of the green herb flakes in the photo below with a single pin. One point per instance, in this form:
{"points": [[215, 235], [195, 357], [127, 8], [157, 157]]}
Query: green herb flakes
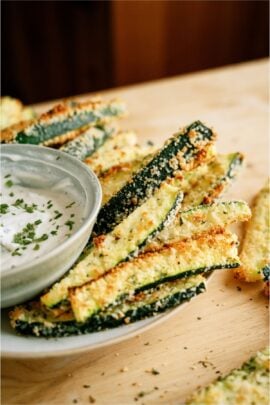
{"points": [[58, 214], [9, 183], [69, 224], [4, 208], [70, 205]]}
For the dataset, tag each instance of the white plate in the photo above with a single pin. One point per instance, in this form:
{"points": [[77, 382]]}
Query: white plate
{"points": [[16, 346]]}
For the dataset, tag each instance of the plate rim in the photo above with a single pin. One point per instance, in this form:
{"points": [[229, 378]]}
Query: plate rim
{"points": [[155, 321]]}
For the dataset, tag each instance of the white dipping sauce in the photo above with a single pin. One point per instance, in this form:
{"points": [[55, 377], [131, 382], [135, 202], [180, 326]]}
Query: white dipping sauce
{"points": [[34, 221]]}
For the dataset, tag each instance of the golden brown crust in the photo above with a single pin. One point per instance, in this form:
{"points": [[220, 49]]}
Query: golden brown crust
{"points": [[98, 241], [8, 134], [58, 111], [64, 108], [255, 253], [180, 246], [209, 199], [116, 169], [62, 139]]}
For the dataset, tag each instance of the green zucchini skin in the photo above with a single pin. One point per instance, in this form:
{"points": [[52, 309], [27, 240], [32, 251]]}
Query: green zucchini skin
{"points": [[116, 177], [188, 273], [178, 153], [68, 117], [266, 272], [235, 163], [86, 144], [127, 312]]}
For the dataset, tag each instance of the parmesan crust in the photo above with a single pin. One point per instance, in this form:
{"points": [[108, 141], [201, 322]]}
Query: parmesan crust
{"points": [[68, 114], [255, 253], [202, 219], [248, 385], [175, 260], [35, 319]]}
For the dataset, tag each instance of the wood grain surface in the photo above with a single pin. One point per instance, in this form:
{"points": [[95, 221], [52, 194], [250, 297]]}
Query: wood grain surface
{"points": [[218, 330]]}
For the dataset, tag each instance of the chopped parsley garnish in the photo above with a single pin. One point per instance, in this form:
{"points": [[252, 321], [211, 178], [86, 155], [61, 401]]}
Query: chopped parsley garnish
{"points": [[28, 235], [16, 253], [19, 203], [42, 238], [69, 224], [3, 208], [58, 214], [30, 208], [9, 183], [70, 205]]}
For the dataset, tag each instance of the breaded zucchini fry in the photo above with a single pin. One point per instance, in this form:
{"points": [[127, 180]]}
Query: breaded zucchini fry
{"points": [[255, 253]]}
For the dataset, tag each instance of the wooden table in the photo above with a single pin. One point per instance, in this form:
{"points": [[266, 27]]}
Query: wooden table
{"points": [[218, 330]]}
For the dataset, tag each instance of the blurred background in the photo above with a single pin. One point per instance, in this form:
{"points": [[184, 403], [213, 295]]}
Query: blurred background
{"points": [[54, 49]]}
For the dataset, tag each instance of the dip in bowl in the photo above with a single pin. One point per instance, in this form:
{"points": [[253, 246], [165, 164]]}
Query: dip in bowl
{"points": [[49, 203]]}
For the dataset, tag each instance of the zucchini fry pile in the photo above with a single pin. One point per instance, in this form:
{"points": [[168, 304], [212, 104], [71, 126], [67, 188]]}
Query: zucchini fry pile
{"points": [[161, 228]]}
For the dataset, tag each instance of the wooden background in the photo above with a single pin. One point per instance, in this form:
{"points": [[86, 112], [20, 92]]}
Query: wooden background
{"points": [[218, 330], [53, 49]]}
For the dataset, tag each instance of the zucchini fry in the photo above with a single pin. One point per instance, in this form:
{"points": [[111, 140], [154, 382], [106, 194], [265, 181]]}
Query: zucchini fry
{"points": [[182, 152], [248, 385], [178, 260], [202, 219], [207, 182], [88, 142], [201, 185], [61, 123], [32, 319], [116, 177], [255, 253], [120, 149]]}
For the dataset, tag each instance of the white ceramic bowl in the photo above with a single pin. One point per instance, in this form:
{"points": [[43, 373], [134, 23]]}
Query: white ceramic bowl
{"points": [[26, 281]]}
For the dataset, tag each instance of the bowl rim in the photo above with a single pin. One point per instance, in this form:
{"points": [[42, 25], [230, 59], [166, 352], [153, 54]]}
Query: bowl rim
{"points": [[87, 221]]}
